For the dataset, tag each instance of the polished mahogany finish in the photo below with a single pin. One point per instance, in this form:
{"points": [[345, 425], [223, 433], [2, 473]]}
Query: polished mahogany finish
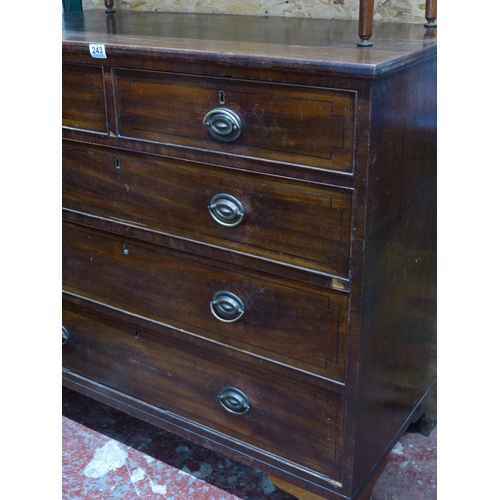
{"points": [[98, 346], [83, 98], [285, 221], [249, 235], [288, 124], [176, 290]]}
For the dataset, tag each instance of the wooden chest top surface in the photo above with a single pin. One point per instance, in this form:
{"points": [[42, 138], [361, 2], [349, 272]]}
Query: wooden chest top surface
{"points": [[286, 43]]}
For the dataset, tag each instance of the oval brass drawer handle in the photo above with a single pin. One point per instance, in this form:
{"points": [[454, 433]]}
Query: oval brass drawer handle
{"points": [[226, 210], [234, 401], [227, 307], [65, 336], [223, 124]]}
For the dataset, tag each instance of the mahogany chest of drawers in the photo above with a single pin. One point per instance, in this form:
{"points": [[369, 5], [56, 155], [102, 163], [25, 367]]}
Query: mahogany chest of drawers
{"points": [[249, 235]]}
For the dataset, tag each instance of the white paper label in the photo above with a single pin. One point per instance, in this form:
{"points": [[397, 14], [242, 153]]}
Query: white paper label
{"points": [[97, 50]]}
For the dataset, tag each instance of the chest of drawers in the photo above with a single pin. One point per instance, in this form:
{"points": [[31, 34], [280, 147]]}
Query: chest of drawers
{"points": [[249, 235]]}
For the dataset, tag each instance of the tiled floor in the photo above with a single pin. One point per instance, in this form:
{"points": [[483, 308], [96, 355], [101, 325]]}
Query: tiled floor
{"points": [[107, 454]]}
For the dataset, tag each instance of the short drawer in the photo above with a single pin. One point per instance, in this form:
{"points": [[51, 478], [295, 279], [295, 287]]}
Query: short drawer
{"points": [[298, 423], [288, 222], [306, 126], [296, 325], [83, 98]]}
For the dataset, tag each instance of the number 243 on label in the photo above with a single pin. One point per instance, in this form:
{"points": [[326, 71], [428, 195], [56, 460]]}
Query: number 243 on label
{"points": [[97, 50]]}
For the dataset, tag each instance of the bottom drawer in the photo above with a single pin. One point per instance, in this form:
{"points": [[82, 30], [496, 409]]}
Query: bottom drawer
{"points": [[298, 423]]}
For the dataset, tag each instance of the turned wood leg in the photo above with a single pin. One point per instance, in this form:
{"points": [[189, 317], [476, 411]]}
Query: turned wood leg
{"points": [[365, 22], [109, 4], [431, 13]]}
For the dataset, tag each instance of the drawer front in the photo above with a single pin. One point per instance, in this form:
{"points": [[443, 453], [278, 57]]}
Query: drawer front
{"points": [[286, 222], [285, 123], [83, 98], [302, 327], [297, 423]]}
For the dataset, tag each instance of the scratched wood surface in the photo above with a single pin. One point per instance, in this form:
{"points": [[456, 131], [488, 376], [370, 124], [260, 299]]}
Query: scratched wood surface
{"points": [[289, 43]]}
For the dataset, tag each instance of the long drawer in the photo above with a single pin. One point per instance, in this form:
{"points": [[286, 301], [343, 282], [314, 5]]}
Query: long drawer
{"points": [[304, 327], [235, 400], [289, 222], [308, 126]]}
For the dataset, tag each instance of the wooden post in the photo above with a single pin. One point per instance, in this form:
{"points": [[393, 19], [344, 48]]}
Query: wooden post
{"points": [[431, 13], [109, 6], [365, 22]]}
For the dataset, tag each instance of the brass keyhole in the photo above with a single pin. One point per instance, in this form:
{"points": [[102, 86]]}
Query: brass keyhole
{"points": [[222, 97]]}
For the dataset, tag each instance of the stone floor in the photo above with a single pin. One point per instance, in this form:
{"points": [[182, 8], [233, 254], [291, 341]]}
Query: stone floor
{"points": [[107, 455]]}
